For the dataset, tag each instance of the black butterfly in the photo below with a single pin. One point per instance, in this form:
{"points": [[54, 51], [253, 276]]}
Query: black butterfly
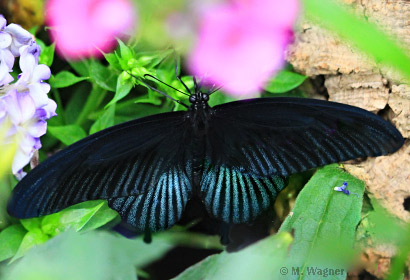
{"points": [[234, 157]]}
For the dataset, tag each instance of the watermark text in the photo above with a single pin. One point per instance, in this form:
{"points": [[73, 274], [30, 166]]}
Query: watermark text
{"points": [[312, 271]]}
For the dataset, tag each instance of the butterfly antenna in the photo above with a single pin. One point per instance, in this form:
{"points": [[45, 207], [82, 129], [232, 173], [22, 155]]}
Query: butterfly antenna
{"points": [[214, 90], [195, 84], [177, 75], [158, 80], [157, 90]]}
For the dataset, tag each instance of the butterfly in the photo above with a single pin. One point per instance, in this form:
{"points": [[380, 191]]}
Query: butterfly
{"points": [[234, 157]]}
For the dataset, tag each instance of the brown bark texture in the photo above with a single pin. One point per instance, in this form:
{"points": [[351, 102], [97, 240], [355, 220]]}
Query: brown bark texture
{"points": [[353, 78]]}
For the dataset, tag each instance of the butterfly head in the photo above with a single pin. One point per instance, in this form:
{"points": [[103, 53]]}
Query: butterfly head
{"points": [[199, 100]]}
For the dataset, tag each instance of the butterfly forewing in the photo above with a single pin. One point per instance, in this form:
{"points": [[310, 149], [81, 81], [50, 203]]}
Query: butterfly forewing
{"points": [[133, 165], [282, 136]]}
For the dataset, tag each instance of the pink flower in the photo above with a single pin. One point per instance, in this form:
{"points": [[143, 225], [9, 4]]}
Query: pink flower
{"points": [[87, 27], [241, 44]]}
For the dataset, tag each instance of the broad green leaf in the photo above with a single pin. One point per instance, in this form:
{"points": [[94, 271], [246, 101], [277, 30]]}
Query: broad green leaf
{"points": [[92, 256], [65, 79], [105, 120], [285, 81], [124, 86], [10, 240], [262, 260], [98, 255], [324, 222], [30, 240], [68, 134], [77, 217], [361, 32], [103, 76]]}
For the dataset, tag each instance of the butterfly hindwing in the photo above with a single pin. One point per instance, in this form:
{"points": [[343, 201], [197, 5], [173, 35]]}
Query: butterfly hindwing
{"points": [[234, 197], [127, 163], [159, 207]]}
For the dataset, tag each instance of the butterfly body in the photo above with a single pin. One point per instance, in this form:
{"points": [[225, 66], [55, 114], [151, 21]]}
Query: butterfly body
{"points": [[233, 156]]}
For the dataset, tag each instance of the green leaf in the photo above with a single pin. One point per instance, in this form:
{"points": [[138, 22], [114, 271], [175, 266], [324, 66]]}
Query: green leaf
{"points": [[103, 76], [82, 67], [381, 226], [124, 86], [399, 264], [125, 51], [68, 134], [123, 63], [6, 185], [219, 98], [105, 120], [93, 256], [47, 53], [30, 240], [112, 59], [98, 255], [378, 226], [151, 98], [152, 59], [285, 81], [32, 224], [103, 216], [76, 102], [10, 240], [324, 222], [77, 217], [65, 79], [261, 260], [362, 33]]}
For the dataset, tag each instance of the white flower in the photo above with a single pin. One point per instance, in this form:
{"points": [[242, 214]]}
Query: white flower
{"points": [[28, 124], [24, 104], [32, 77], [20, 37]]}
